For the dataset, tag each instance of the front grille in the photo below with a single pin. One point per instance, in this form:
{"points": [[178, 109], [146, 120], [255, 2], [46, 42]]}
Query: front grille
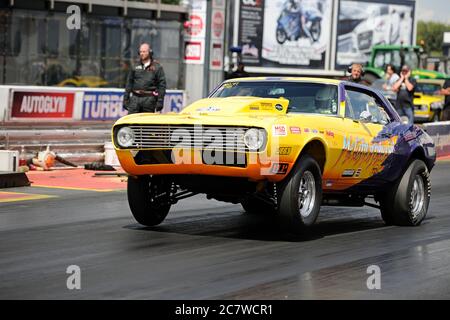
{"points": [[220, 158], [225, 138]]}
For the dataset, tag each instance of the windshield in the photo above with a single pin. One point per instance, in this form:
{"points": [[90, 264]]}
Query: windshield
{"points": [[428, 88], [303, 96], [382, 58]]}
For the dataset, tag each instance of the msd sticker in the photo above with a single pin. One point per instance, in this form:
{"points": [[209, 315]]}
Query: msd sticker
{"points": [[279, 130]]}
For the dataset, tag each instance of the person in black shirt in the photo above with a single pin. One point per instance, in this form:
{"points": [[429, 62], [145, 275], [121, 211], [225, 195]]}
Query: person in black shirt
{"points": [[405, 87], [146, 84], [446, 92]]}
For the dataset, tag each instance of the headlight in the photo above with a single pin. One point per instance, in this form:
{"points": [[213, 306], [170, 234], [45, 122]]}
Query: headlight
{"points": [[436, 105], [254, 139], [424, 107], [125, 137]]}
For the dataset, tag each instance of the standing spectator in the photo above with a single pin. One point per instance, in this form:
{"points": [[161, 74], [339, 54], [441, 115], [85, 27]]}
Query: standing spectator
{"points": [[146, 84], [391, 77], [446, 92], [405, 87]]}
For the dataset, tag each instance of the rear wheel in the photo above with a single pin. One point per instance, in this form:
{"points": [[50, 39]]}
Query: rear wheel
{"points": [[148, 198], [301, 196], [406, 202]]}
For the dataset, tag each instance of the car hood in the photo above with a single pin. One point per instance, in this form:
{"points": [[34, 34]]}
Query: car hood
{"points": [[239, 111]]}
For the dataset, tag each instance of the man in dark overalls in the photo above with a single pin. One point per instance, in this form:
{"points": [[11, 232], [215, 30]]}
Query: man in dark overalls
{"points": [[146, 84]]}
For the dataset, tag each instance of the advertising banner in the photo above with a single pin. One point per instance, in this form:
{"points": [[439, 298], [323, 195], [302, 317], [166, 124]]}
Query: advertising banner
{"points": [[104, 105], [195, 31], [101, 105], [42, 105], [363, 24], [173, 101], [289, 33], [217, 35]]}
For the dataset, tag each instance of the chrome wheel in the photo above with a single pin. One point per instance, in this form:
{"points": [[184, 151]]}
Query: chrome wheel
{"points": [[306, 194], [417, 196]]}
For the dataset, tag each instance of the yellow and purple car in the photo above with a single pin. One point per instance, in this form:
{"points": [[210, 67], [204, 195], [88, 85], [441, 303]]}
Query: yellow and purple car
{"points": [[279, 145]]}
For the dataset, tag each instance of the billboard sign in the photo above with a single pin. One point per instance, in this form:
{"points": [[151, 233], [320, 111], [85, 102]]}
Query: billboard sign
{"points": [[289, 34], [364, 24]]}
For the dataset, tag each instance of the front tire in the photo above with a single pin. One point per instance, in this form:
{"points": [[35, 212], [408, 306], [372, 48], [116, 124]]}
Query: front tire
{"points": [[406, 203], [148, 198], [301, 196], [281, 36]]}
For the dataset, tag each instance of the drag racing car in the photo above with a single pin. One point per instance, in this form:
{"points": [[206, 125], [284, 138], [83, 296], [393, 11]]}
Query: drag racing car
{"points": [[281, 146]]}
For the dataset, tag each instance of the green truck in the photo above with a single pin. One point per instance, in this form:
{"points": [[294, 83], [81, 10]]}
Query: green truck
{"points": [[398, 55]]}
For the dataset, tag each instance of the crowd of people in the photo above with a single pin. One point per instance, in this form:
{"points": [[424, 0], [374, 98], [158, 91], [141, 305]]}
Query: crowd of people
{"points": [[404, 85]]}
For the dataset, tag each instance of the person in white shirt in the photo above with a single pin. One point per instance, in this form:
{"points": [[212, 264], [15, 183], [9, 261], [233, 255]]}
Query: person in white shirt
{"points": [[391, 77]]}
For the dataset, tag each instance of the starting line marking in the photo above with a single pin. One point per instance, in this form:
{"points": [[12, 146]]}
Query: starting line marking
{"points": [[19, 196]]}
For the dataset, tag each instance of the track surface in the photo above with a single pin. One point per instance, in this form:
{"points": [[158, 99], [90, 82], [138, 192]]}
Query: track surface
{"points": [[212, 250]]}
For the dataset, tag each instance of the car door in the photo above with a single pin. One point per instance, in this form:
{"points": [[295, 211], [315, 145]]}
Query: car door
{"points": [[376, 143], [361, 155]]}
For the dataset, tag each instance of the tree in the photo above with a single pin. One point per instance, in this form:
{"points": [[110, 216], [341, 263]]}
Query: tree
{"points": [[432, 34]]}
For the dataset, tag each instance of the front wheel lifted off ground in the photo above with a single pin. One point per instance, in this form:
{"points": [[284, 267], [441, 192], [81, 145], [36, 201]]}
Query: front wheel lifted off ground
{"points": [[406, 202], [148, 198], [300, 196]]}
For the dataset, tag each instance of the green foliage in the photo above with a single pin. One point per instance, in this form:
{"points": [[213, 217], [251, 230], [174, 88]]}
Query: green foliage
{"points": [[432, 34]]}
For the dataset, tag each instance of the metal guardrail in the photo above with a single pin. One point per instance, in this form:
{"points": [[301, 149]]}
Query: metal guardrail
{"points": [[76, 145]]}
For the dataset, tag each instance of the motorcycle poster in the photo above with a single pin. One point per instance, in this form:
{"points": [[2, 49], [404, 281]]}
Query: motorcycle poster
{"points": [[363, 24], [296, 33], [285, 33]]}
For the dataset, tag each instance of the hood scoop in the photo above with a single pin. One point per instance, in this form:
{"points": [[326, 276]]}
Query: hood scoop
{"points": [[237, 105]]}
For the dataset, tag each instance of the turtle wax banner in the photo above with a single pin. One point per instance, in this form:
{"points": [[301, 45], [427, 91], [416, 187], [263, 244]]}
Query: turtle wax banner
{"points": [[285, 33], [364, 24], [42, 105], [296, 33]]}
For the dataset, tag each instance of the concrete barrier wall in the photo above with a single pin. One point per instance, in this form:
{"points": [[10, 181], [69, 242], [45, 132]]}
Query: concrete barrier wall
{"points": [[62, 104], [440, 132]]}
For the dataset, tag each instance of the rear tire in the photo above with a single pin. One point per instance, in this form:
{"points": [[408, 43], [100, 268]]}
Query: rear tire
{"points": [[148, 198], [300, 196], [406, 202]]}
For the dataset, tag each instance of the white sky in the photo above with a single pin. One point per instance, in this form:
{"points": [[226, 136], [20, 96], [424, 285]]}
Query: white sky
{"points": [[433, 10]]}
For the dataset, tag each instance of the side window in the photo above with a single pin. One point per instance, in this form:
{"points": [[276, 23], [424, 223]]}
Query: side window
{"points": [[365, 107]]}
